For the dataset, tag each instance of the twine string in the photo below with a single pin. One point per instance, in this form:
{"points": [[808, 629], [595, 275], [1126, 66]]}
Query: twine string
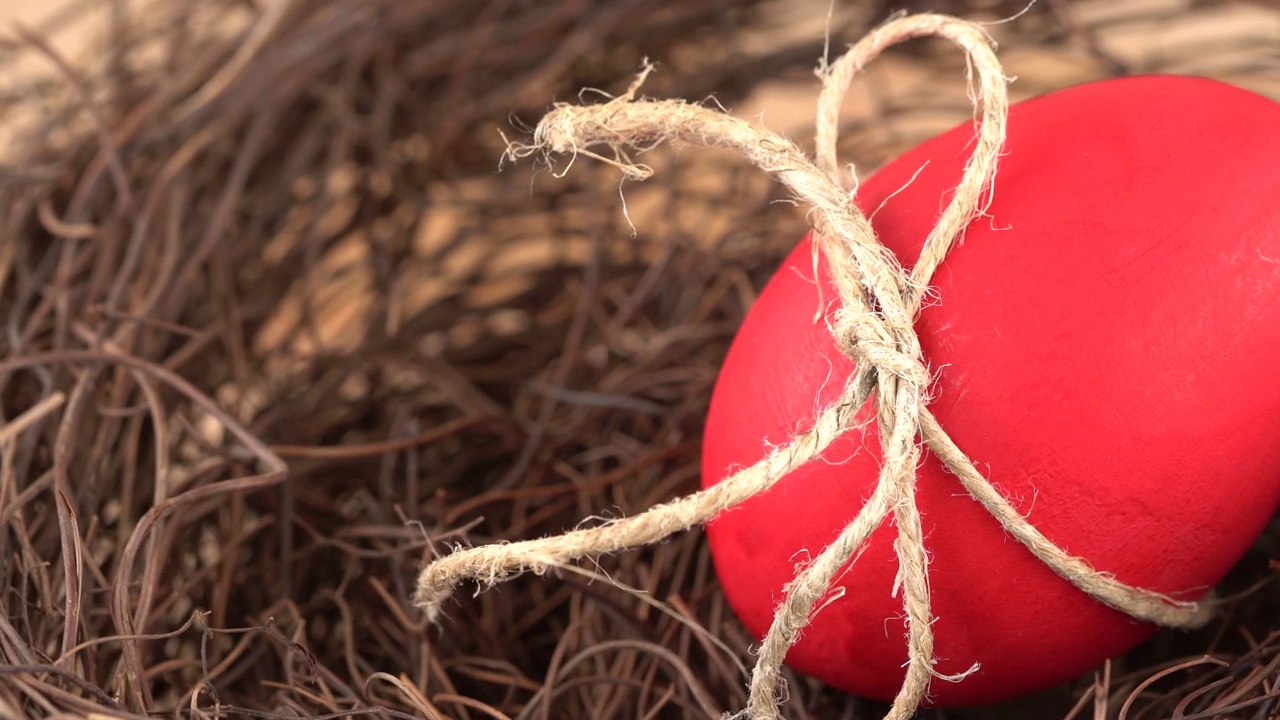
{"points": [[874, 327]]}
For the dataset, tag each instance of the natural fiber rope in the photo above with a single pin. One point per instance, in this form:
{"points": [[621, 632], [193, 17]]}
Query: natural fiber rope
{"points": [[874, 327]]}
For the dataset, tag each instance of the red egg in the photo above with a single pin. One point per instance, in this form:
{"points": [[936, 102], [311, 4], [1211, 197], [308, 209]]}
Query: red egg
{"points": [[1106, 347]]}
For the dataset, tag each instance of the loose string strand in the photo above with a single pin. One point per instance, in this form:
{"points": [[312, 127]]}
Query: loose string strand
{"points": [[494, 563], [1136, 602]]}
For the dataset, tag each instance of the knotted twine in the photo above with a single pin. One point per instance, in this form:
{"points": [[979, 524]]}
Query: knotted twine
{"points": [[874, 327]]}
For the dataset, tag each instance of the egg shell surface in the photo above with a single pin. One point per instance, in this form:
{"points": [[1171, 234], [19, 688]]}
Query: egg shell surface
{"points": [[1106, 348]]}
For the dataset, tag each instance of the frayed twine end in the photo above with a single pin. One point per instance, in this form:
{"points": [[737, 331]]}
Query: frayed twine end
{"points": [[569, 129]]}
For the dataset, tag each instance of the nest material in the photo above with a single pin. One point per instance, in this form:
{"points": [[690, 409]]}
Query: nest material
{"points": [[289, 214]]}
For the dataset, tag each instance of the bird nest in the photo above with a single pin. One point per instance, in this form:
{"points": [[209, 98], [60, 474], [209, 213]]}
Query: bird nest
{"points": [[276, 330]]}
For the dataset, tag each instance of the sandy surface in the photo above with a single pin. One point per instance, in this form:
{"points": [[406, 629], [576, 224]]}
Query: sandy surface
{"points": [[68, 26], [73, 27], [24, 11]]}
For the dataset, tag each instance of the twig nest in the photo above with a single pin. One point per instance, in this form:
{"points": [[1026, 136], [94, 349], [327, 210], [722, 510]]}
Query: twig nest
{"points": [[1104, 347]]}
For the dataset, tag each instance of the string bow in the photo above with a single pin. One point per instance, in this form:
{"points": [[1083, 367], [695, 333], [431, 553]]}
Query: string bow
{"points": [[874, 327]]}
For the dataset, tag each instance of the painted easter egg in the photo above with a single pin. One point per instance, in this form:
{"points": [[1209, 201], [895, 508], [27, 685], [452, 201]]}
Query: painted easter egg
{"points": [[1106, 348]]}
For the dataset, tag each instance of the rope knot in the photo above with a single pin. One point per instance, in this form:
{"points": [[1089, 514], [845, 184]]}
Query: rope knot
{"points": [[865, 338]]}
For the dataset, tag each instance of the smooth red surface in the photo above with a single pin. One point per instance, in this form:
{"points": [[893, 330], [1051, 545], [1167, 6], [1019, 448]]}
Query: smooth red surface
{"points": [[1107, 349]]}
